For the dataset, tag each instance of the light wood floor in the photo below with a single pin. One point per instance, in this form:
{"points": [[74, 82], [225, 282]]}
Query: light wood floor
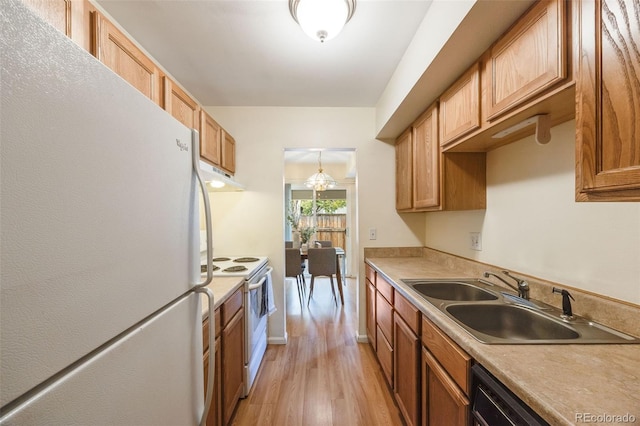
{"points": [[322, 376]]}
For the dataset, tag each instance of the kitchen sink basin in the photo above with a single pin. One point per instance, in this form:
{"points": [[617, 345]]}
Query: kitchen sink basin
{"points": [[451, 290], [511, 322], [492, 315]]}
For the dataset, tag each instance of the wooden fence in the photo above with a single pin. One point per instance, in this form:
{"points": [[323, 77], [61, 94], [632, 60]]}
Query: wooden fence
{"points": [[331, 227]]}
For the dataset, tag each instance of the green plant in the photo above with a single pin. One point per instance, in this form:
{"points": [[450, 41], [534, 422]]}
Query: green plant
{"points": [[306, 233]]}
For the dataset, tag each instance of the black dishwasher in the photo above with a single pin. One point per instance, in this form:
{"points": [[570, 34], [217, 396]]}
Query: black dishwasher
{"points": [[495, 405]]}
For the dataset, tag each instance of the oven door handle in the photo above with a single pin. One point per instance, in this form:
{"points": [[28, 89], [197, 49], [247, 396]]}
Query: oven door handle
{"points": [[262, 280]]}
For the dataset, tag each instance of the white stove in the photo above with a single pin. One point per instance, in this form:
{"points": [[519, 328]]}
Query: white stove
{"points": [[257, 306], [235, 266]]}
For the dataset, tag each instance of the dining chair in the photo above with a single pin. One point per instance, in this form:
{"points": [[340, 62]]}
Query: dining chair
{"points": [[321, 243], [293, 269], [323, 263], [288, 244]]}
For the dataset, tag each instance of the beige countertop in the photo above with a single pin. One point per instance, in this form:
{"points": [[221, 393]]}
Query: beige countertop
{"points": [[560, 382], [222, 288]]}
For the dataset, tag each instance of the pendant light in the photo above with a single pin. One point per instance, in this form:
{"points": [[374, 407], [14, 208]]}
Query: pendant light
{"points": [[320, 181], [322, 19]]}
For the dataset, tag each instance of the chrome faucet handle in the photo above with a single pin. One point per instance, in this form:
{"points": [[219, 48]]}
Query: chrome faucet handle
{"points": [[523, 286]]}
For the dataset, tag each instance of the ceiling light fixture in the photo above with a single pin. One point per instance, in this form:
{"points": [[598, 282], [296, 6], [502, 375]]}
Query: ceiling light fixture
{"points": [[320, 181], [322, 19]]}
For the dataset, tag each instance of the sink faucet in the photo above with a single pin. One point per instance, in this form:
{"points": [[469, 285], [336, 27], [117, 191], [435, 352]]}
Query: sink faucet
{"points": [[522, 288]]}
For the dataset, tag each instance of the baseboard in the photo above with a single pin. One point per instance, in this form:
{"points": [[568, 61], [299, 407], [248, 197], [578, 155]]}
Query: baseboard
{"points": [[362, 338], [277, 340]]}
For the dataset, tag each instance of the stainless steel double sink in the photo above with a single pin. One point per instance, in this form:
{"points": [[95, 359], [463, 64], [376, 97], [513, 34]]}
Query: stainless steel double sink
{"points": [[493, 315]]}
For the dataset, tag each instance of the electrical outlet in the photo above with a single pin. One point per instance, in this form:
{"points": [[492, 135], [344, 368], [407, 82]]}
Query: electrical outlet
{"points": [[373, 233], [476, 241]]}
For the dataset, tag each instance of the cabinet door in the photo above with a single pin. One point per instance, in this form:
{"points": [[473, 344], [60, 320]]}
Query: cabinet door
{"points": [[228, 152], [180, 105], [384, 350], [528, 59], [460, 107], [443, 402], [426, 160], [116, 51], [68, 16], [371, 313], [404, 172], [406, 378], [214, 417], [608, 102], [232, 364], [210, 139]]}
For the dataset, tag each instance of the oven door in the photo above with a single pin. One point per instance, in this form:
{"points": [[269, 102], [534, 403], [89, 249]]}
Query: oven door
{"points": [[257, 307]]}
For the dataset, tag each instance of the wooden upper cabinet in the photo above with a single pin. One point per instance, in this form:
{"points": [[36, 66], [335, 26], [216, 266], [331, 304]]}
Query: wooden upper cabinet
{"points": [[228, 153], [180, 105], [608, 101], [116, 51], [71, 17], [217, 147], [460, 106], [426, 160], [530, 58], [210, 139], [404, 172]]}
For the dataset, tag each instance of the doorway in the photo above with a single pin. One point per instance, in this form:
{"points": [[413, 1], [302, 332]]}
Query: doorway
{"points": [[332, 212]]}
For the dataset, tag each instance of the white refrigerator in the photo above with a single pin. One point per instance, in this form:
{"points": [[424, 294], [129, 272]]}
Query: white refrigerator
{"points": [[100, 313]]}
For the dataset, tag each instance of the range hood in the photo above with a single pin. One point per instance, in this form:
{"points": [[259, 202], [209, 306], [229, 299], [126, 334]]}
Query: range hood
{"points": [[217, 180]]}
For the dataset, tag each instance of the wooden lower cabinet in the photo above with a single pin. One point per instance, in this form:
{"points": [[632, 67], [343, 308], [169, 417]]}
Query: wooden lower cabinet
{"points": [[371, 313], [443, 403], [229, 359], [406, 387], [384, 350], [232, 364], [214, 417]]}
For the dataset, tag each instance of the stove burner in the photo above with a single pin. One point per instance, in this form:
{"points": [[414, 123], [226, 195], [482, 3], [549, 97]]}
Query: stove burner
{"points": [[246, 259], [220, 259], [238, 268], [203, 268]]}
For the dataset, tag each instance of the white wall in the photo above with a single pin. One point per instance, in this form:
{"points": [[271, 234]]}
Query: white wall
{"points": [[533, 225], [252, 222]]}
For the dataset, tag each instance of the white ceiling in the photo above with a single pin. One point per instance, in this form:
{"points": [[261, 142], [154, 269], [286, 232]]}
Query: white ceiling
{"points": [[252, 53]]}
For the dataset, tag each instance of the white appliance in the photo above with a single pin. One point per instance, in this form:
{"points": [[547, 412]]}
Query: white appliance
{"points": [[100, 319], [258, 302]]}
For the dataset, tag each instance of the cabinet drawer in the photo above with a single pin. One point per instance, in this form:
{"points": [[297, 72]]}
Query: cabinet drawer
{"points": [[384, 317], [384, 288], [529, 59], [370, 273], [231, 306], [385, 356], [408, 312], [454, 360]]}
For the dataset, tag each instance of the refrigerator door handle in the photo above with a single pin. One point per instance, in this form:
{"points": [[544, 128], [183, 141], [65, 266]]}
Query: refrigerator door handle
{"points": [[212, 358], [195, 145]]}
